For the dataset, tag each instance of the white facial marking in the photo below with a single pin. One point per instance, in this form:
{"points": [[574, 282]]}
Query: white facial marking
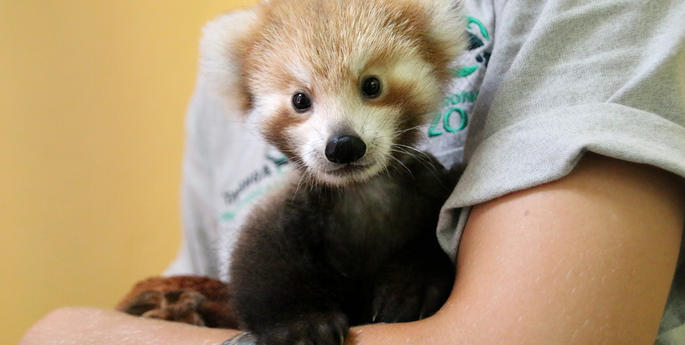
{"points": [[265, 105], [375, 125], [346, 110]]}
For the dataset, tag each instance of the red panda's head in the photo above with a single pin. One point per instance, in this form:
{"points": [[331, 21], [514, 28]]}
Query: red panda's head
{"points": [[341, 87]]}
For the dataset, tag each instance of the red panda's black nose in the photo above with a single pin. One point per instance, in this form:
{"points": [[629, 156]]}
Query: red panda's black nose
{"points": [[345, 149]]}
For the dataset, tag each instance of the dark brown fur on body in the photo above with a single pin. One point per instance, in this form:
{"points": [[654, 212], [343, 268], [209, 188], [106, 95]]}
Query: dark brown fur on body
{"points": [[312, 263]]}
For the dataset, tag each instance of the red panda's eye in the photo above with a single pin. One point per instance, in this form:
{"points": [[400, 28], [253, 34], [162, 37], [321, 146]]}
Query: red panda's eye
{"points": [[301, 102], [371, 87]]}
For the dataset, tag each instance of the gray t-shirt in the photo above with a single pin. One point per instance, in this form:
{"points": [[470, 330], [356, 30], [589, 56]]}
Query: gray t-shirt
{"points": [[542, 83]]}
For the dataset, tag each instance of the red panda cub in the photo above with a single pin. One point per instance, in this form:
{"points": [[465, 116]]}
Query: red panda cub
{"points": [[342, 88]]}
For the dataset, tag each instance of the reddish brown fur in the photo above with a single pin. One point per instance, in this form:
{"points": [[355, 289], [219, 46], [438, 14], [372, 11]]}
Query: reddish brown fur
{"points": [[328, 50], [213, 308], [242, 48], [330, 47], [276, 127]]}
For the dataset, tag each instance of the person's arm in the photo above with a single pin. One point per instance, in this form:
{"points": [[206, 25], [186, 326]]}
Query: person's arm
{"points": [[585, 260], [90, 326]]}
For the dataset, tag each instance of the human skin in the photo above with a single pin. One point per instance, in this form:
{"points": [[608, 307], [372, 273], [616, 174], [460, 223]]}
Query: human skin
{"points": [[587, 259]]}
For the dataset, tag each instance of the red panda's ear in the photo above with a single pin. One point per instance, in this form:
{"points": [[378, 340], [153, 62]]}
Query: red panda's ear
{"points": [[222, 50], [446, 28]]}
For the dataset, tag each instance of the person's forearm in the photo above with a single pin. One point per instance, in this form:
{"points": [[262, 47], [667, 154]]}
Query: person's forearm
{"points": [[85, 326]]}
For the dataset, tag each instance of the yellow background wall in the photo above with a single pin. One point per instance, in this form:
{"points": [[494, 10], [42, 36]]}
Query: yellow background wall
{"points": [[92, 101]]}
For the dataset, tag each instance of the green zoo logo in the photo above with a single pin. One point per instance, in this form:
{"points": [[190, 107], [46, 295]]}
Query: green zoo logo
{"points": [[453, 120]]}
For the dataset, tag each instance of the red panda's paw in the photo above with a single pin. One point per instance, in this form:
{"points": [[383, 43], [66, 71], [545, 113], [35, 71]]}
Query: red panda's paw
{"points": [[394, 302], [412, 292], [314, 329]]}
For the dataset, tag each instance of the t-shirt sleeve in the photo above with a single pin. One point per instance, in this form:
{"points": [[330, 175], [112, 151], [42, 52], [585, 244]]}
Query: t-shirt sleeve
{"points": [[198, 224], [567, 77]]}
